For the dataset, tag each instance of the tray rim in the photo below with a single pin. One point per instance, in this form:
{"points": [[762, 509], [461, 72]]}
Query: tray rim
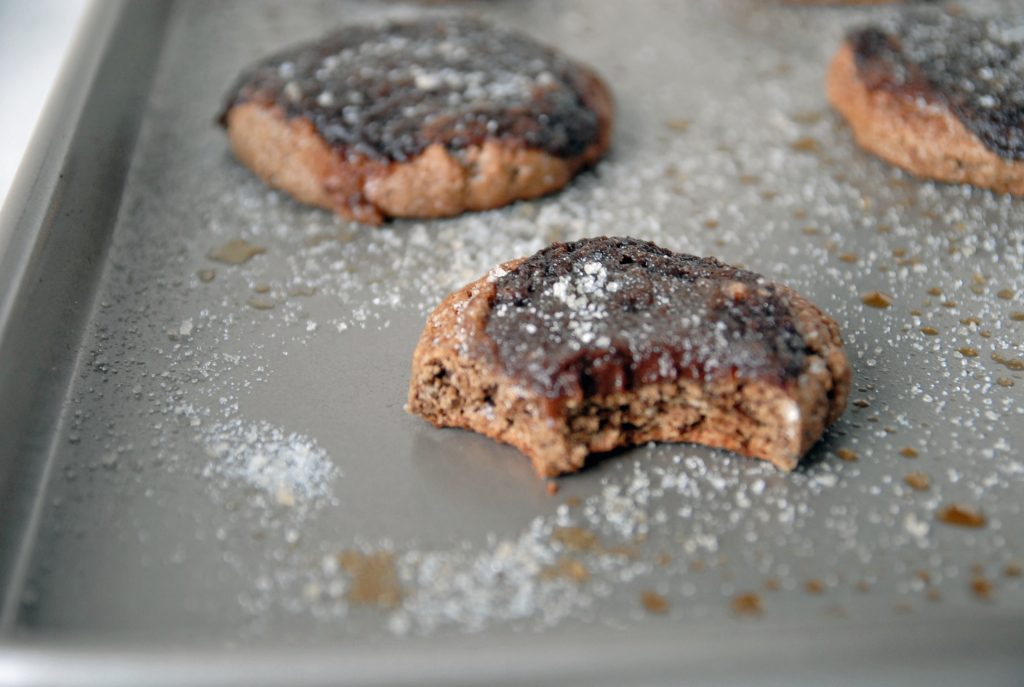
{"points": [[38, 207], [905, 652]]}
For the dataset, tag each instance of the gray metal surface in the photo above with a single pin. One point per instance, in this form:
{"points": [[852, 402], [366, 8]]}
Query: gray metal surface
{"points": [[184, 458]]}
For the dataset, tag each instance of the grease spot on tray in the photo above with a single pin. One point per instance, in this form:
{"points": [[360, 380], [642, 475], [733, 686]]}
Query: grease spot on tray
{"points": [[236, 252], [374, 581]]}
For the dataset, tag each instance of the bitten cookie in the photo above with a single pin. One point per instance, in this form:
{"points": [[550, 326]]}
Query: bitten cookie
{"points": [[418, 119], [589, 346], [941, 96]]}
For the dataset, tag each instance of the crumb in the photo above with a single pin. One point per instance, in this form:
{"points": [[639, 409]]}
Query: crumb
{"points": [[961, 516], [876, 299], [918, 481], [846, 454], [982, 588], [747, 604], [654, 603]]}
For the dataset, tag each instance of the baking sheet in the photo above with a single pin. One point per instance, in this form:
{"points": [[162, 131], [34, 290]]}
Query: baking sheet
{"points": [[223, 440]]}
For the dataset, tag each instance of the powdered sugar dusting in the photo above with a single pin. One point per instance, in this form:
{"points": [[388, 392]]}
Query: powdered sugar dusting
{"points": [[639, 314], [286, 467], [390, 91], [973, 65], [762, 176]]}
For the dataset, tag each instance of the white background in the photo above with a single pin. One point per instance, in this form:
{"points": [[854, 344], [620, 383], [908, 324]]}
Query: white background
{"points": [[34, 39]]}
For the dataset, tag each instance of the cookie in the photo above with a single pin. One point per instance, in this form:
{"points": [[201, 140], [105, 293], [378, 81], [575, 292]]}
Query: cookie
{"points": [[939, 95], [603, 343], [424, 118]]}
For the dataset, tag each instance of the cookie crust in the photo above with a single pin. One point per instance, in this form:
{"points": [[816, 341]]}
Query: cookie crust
{"points": [[425, 149], [915, 133], [455, 385]]}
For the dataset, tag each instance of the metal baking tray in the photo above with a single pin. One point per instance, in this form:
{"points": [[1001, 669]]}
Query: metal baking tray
{"points": [[187, 446]]}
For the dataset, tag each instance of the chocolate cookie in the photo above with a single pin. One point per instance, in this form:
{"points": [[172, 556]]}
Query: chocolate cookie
{"points": [[940, 95], [418, 119], [608, 342]]}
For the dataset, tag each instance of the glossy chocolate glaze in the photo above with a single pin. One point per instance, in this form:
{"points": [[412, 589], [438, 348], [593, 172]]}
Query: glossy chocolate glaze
{"points": [[387, 92], [973, 66], [609, 314]]}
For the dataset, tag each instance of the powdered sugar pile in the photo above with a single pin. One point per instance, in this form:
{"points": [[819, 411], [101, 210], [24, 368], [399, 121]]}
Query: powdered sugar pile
{"points": [[288, 468]]}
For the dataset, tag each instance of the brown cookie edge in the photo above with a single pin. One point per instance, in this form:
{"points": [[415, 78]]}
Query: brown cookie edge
{"points": [[926, 139]]}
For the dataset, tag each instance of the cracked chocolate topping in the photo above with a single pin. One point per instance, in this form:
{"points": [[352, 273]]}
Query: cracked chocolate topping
{"points": [[387, 92], [609, 314], [974, 66]]}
